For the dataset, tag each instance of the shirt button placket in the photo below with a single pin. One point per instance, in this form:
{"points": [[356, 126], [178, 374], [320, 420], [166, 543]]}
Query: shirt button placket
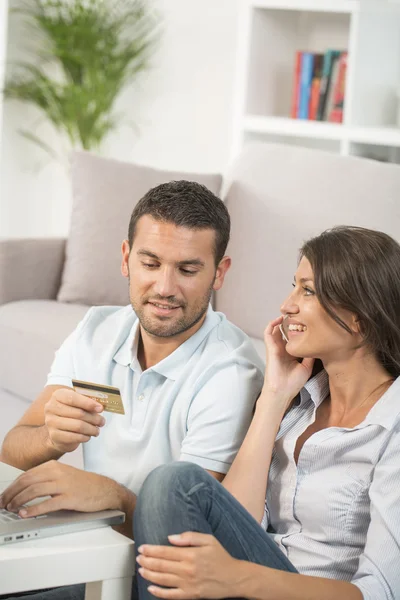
{"points": [[139, 412]]}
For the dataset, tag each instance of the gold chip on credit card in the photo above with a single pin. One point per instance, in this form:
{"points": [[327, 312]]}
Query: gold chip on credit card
{"points": [[109, 397]]}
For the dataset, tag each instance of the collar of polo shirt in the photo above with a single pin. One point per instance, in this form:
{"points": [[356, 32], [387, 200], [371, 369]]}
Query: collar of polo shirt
{"points": [[171, 365]]}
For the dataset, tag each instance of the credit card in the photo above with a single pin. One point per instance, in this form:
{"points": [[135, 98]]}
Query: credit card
{"points": [[109, 397]]}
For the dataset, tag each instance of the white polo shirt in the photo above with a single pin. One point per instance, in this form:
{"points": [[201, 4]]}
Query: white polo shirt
{"points": [[194, 405]]}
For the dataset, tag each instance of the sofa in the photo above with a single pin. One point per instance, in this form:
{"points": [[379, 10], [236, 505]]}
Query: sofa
{"points": [[277, 196]]}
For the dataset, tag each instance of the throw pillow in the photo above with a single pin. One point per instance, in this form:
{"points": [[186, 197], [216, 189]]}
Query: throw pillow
{"points": [[105, 192]]}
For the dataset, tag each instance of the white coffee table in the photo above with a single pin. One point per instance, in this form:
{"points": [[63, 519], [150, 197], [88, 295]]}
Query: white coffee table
{"points": [[102, 558]]}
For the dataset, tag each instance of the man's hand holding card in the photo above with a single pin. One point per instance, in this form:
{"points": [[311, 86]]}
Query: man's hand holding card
{"points": [[71, 419], [72, 416]]}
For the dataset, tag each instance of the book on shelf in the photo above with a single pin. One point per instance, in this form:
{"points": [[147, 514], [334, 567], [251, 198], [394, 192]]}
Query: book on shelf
{"points": [[336, 112], [316, 86], [329, 70], [296, 86], [319, 86], [306, 73]]}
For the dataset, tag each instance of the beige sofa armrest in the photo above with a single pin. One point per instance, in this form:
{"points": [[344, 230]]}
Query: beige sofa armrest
{"points": [[30, 268]]}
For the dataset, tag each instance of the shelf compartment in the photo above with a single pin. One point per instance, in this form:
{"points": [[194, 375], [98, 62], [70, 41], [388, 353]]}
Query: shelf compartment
{"points": [[294, 128], [274, 38], [333, 146], [378, 136], [331, 6]]}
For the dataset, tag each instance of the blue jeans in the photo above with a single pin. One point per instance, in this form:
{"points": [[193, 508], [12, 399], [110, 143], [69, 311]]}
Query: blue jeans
{"points": [[183, 497], [71, 592]]}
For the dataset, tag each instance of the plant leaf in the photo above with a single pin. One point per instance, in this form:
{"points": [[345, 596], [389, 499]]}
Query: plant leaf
{"points": [[86, 52], [36, 140]]}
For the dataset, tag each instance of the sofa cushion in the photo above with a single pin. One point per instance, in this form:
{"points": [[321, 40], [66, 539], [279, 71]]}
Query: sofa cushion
{"points": [[12, 409], [279, 197], [32, 331], [104, 194]]}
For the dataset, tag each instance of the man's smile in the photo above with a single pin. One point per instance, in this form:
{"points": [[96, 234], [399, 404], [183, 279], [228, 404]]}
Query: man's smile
{"points": [[163, 309]]}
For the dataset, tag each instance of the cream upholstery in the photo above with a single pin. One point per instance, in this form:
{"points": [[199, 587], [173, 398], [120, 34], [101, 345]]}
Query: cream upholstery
{"points": [[278, 196]]}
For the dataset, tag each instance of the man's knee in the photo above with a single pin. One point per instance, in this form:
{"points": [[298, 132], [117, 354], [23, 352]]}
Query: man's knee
{"points": [[161, 491], [165, 481]]}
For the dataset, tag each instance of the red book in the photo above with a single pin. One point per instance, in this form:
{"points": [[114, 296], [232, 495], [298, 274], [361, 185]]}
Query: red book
{"points": [[296, 86], [314, 101], [336, 115]]}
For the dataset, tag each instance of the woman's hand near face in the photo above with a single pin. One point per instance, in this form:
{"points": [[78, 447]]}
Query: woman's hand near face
{"points": [[284, 378], [284, 374]]}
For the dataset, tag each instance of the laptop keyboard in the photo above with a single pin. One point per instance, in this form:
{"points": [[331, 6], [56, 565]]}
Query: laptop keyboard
{"points": [[6, 516]]}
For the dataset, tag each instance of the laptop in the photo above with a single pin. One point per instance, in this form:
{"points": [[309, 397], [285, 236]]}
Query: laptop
{"points": [[15, 529]]}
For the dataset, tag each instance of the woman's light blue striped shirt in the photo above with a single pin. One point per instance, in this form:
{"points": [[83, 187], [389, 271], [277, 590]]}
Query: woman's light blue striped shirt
{"points": [[337, 513]]}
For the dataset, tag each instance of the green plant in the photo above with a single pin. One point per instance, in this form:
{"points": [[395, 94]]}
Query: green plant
{"points": [[87, 52]]}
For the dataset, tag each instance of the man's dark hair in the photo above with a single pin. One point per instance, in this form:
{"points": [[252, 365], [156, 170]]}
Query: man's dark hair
{"points": [[358, 270], [186, 204]]}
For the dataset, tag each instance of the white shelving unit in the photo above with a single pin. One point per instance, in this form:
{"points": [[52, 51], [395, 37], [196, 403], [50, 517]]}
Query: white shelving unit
{"points": [[270, 33]]}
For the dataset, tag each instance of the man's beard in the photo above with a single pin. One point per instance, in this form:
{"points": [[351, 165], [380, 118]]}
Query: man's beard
{"points": [[171, 327]]}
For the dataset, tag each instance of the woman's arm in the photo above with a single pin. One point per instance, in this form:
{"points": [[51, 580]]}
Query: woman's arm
{"points": [[204, 569], [284, 378], [201, 568], [262, 583], [247, 478]]}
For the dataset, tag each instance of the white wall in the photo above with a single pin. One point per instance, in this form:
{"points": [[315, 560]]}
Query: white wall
{"points": [[183, 107], [3, 46]]}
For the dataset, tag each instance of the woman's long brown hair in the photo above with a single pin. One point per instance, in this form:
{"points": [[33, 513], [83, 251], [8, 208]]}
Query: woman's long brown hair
{"points": [[358, 270]]}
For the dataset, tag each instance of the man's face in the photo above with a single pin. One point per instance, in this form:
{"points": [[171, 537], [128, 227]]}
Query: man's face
{"points": [[172, 274]]}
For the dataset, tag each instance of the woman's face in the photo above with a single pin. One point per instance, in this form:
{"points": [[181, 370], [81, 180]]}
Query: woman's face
{"points": [[310, 330]]}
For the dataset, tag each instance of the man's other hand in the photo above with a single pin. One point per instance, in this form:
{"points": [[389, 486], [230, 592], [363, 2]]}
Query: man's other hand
{"points": [[69, 488]]}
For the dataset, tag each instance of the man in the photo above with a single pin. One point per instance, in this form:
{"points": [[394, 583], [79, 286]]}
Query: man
{"points": [[188, 378]]}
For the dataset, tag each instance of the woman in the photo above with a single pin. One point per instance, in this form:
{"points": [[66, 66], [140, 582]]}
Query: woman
{"points": [[320, 472]]}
